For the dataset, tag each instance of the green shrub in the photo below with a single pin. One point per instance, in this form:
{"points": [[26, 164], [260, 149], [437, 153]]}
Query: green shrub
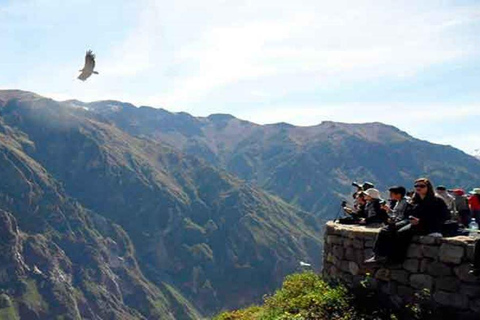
{"points": [[303, 296]]}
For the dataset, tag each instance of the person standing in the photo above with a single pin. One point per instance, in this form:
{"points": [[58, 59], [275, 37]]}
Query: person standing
{"points": [[461, 206], [474, 204], [442, 193]]}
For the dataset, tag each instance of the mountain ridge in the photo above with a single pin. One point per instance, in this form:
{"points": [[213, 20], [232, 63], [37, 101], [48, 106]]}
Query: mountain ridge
{"points": [[213, 115], [267, 155], [197, 231]]}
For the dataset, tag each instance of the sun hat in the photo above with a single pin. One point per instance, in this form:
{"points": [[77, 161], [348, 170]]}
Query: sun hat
{"points": [[475, 191], [374, 193], [457, 192]]}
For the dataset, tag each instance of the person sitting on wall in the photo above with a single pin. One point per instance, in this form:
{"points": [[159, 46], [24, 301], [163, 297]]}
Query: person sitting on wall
{"points": [[426, 217], [373, 208], [357, 212], [397, 213]]}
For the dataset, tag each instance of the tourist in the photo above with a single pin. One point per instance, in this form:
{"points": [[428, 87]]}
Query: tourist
{"points": [[373, 209], [474, 203], [426, 217], [442, 193], [357, 212], [367, 185], [397, 195], [461, 206]]}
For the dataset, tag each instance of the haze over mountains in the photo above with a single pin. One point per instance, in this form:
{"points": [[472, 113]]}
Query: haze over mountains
{"points": [[112, 211]]}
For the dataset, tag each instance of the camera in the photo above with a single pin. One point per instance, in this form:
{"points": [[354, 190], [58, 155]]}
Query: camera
{"points": [[344, 203], [355, 184]]}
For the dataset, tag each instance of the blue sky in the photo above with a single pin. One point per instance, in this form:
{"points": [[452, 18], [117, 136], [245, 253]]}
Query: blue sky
{"points": [[412, 64]]}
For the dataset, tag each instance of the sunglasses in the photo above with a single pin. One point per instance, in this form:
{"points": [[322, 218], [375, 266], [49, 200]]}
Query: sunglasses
{"points": [[420, 186]]}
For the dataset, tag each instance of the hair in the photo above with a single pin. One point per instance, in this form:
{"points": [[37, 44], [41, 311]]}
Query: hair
{"points": [[398, 190], [430, 191], [360, 194]]}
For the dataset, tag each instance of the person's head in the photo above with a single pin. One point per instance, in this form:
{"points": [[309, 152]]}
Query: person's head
{"points": [[475, 192], [360, 198], [423, 189], [367, 185], [441, 189], [372, 194], [397, 192], [458, 192]]}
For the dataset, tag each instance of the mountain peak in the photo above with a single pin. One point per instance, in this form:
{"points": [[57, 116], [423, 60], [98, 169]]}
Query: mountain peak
{"points": [[9, 94]]}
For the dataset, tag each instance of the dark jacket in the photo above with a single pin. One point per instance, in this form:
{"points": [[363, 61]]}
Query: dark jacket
{"points": [[360, 213], [375, 213], [432, 212]]}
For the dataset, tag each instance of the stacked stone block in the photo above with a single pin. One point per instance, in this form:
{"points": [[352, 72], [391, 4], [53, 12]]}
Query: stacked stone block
{"points": [[440, 265]]}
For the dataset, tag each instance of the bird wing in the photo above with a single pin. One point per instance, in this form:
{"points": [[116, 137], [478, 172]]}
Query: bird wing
{"points": [[89, 61], [84, 75]]}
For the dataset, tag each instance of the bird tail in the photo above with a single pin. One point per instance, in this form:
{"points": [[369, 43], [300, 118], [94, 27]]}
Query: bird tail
{"points": [[95, 72]]}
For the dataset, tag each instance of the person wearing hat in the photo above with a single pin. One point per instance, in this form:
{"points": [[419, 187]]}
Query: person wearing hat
{"points": [[461, 206], [373, 209], [441, 192], [474, 203], [367, 185]]}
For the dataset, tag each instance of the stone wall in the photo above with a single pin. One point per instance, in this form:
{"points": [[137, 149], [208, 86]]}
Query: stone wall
{"points": [[440, 265]]}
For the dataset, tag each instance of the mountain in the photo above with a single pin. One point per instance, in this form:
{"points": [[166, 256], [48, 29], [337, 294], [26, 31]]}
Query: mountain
{"points": [[128, 226], [59, 259], [310, 167]]}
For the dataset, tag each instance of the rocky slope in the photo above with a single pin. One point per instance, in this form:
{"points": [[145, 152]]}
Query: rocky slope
{"points": [[198, 233], [59, 259]]}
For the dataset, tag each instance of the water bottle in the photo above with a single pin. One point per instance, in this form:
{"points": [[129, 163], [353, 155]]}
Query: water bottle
{"points": [[473, 226]]}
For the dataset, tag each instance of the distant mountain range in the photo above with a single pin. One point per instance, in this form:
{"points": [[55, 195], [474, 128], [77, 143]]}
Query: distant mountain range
{"points": [[116, 212], [311, 167]]}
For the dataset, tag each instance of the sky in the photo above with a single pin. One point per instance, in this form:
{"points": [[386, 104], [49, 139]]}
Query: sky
{"points": [[412, 64]]}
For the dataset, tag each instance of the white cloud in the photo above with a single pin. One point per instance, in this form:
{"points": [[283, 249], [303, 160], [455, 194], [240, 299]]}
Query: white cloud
{"points": [[258, 59], [328, 40]]}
